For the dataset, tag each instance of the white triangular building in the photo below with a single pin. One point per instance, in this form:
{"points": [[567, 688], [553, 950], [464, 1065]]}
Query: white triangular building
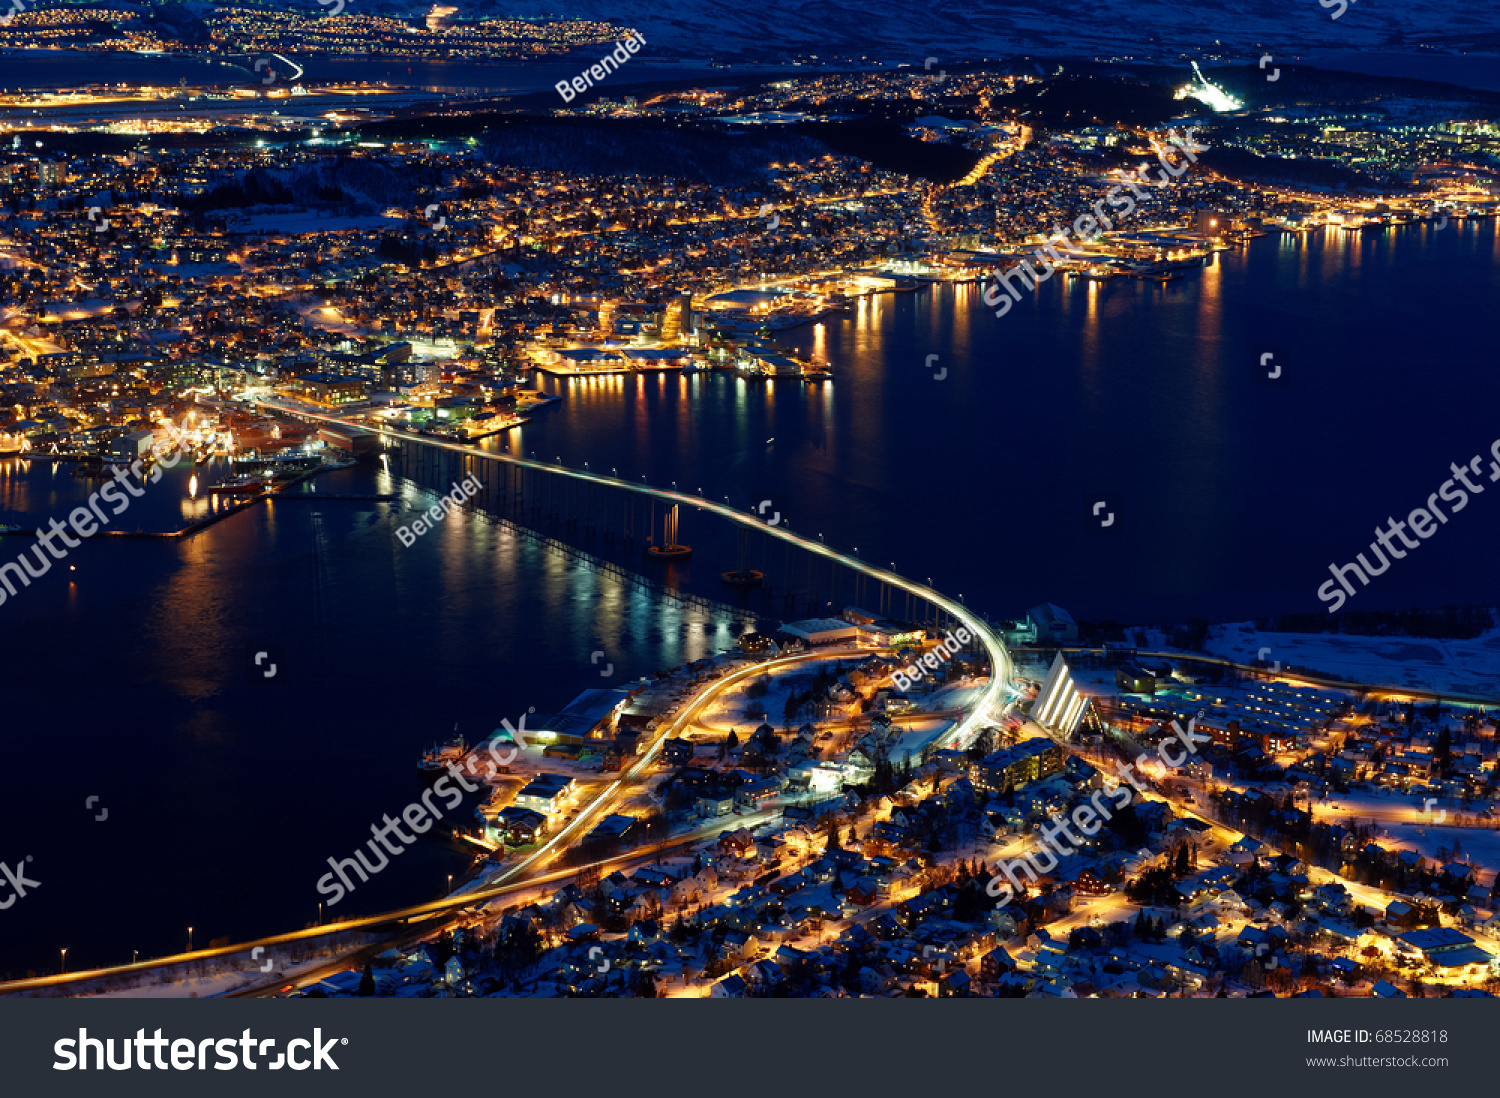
{"points": [[1060, 705]]}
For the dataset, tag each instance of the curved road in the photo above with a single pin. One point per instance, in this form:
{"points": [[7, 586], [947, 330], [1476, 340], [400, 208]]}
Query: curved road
{"points": [[1000, 665], [476, 892], [987, 708], [683, 720]]}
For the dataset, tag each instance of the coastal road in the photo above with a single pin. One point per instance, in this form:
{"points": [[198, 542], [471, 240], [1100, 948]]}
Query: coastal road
{"points": [[673, 729], [454, 907], [520, 891], [988, 708]]}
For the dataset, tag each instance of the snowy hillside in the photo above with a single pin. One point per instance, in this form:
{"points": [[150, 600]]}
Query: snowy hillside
{"points": [[963, 29]]}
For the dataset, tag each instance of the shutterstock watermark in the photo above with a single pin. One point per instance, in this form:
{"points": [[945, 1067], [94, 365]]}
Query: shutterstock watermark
{"points": [[17, 880], [185, 1054], [1339, 589], [594, 74], [88, 519], [1088, 226], [1089, 818], [408, 535], [420, 815]]}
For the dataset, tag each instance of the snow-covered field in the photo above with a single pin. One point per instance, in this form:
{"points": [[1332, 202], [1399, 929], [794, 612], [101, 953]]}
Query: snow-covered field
{"points": [[1480, 846], [729, 710], [205, 987], [1466, 667]]}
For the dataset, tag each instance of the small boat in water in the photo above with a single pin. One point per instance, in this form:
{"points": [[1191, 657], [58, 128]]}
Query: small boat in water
{"points": [[436, 759], [245, 485]]}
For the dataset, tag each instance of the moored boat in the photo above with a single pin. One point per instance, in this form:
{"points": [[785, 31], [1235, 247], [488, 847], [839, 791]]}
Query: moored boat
{"points": [[436, 759], [243, 485]]}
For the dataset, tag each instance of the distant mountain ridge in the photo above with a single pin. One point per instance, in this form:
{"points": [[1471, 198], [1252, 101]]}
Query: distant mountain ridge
{"points": [[963, 29]]}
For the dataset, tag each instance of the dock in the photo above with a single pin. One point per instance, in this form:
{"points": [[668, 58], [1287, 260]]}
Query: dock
{"points": [[186, 532], [517, 422], [389, 497], [249, 501]]}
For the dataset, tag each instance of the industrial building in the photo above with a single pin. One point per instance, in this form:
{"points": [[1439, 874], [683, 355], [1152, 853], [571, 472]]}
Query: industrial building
{"points": [[545, 793], [591, 715], [820, 631], [127, 448]]}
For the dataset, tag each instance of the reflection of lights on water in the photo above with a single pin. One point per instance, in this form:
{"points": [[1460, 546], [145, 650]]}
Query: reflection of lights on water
{"points": [[193, 486]]}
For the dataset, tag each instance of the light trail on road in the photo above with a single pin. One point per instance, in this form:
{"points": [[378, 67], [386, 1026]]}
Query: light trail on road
{"points": [[987, 708], [680, 722]]}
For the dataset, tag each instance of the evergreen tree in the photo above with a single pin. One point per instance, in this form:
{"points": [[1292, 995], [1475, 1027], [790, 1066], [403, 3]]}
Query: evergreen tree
{"points": [[850, 978]]}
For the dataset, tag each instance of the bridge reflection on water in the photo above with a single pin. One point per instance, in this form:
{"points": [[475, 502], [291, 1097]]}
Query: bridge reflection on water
{"points": [[612, 522], [605, 522]]}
